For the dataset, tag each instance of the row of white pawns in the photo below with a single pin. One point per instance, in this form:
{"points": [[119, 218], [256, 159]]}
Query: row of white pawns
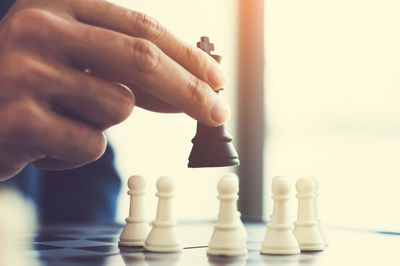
{"points": [[229, 237]]}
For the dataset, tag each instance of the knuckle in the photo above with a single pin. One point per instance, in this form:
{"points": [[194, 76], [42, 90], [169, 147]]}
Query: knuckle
{"points": [[26, 23], [26, 120], [192, 55], [146, 55], [36, 72], [9, 71], [195, 91], [22, 70], [121, 111], [95, 147], [127, 102], [146, 26]]}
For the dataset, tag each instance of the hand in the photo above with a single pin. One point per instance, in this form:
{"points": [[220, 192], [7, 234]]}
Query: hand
{"points": [[69, 69]]}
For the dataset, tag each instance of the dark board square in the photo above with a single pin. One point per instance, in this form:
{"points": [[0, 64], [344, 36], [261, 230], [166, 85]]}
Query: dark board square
{"points": [[99, 248], [89, 260], [50, 237], [104, 239], [44, 247], [64, 231], [130, 249]]}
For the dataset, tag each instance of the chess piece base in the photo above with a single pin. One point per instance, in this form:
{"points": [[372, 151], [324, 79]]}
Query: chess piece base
{"points": [[134, 233], [163, 238], [280, 251], [226, 252], [308, 236], [127, 243], [312, 247], [227, 240], [279, 239], [163, 249]]}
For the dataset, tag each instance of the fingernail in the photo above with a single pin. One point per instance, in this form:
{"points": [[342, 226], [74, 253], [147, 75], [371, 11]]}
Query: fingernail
{"points": [[216, 77], [220, 111]]}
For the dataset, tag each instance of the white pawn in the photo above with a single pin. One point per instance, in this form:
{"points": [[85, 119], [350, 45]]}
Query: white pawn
{"points": [[239, 215], [316, 214], [306, 229], [243, 228], [228, 238], [163, 236], [137, 226], [273, 179], [279, 238]]}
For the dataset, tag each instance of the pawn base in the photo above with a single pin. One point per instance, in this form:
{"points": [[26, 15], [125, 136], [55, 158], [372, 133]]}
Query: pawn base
{"points": [[318, 247], [280, 251], [226, 252], [163, 249], [130, 243]]}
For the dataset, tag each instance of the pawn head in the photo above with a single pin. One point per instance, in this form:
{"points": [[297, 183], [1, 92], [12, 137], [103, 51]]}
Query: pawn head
{"points": [[316, 181], [277, 177], [280, 186], [228, 184], [165, 184], [305, 185], [136, 182]]}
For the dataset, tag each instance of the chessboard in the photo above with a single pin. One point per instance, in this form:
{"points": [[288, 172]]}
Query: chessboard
{"points": [[97, 244]]}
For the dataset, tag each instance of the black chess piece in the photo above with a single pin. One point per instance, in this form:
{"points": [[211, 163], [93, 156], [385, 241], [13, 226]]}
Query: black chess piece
{"points": [[212, 146]]}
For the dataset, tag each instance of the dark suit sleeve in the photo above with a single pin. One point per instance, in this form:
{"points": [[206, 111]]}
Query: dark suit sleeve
{"points": [[85, 194], [4, 6]]}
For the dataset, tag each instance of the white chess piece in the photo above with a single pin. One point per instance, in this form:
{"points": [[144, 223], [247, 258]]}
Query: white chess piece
{"points": [[316, 214], [17, 228], [273, 179], [137, 226], [279, 238], [163, 236], [239, 216], [306, 229], [242, 227], [228, 238]]}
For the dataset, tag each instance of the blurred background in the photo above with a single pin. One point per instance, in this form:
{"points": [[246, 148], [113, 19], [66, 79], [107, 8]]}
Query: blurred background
{"points": [[330, 91]]}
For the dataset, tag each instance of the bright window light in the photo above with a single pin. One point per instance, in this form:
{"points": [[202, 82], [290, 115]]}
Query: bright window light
{"points": [[332, 92]]}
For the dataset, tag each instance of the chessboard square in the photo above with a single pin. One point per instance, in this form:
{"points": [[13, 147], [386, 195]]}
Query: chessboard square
{"points": [[111, 239], [44, 247], [131, 250], [75, 243], [65, 253], [61, 231], [103, 249], [51, 237], [104, 260]]}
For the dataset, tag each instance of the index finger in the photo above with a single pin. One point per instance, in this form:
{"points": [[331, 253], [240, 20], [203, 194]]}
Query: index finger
{"points": [[107, 15]]}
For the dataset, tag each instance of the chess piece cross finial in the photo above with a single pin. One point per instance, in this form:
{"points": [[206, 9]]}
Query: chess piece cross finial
{"points": [[205, 45]]}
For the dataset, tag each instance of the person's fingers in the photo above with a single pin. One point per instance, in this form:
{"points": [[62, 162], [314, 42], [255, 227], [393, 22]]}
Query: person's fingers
{"points": [[91, 99], [151, 102], [72, 142], [107, 15], [98, 102], [135, 60], [47, 74], [34, 132], [123, 58], [55, 164]]}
